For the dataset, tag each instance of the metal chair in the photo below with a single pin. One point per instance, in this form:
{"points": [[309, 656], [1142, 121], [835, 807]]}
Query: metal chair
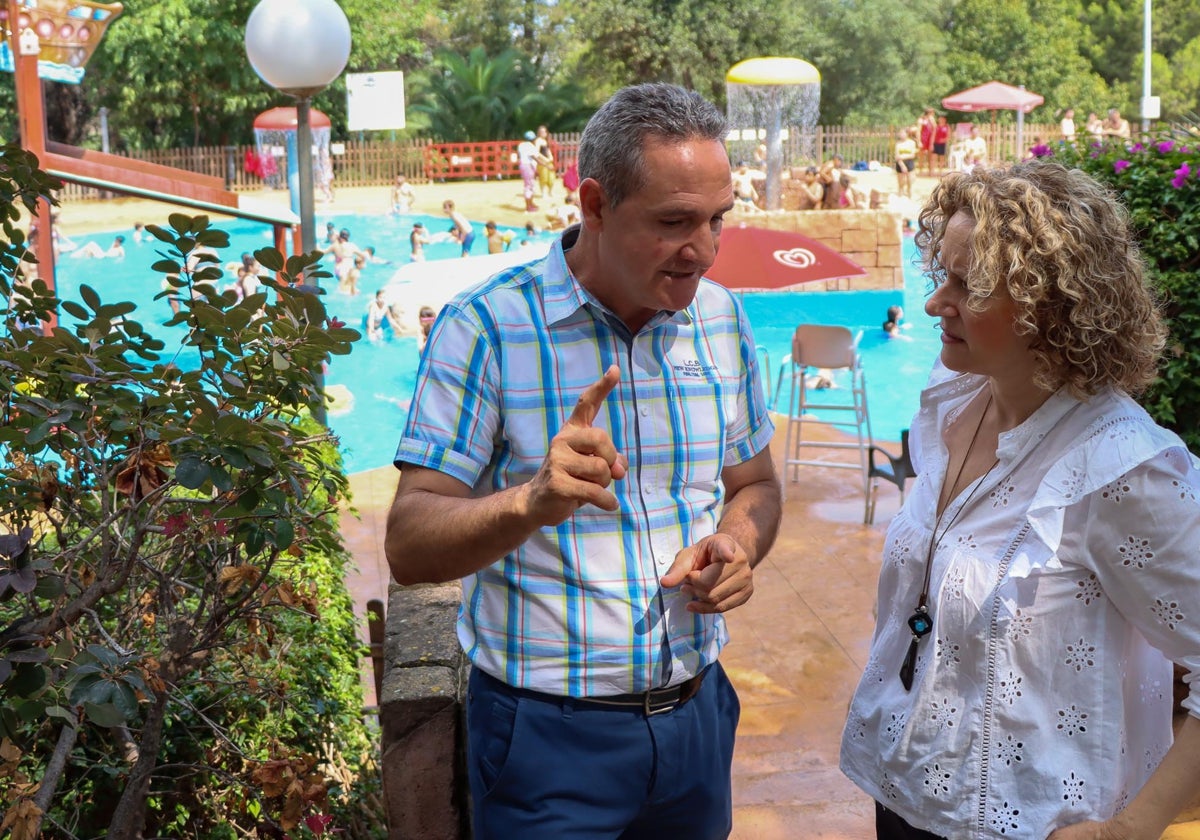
{"points": [[897, 470], [826, 351]]}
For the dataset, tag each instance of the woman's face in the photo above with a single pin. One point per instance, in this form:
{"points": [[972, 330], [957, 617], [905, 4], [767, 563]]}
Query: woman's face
{"points": [[983, 342]]}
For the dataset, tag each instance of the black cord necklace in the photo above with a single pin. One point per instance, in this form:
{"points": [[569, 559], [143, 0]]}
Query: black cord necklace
{"points": [[919, 622]]}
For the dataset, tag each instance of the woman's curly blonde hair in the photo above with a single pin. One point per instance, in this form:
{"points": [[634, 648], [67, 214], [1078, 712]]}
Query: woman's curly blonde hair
{"points": [[1059, 243]]}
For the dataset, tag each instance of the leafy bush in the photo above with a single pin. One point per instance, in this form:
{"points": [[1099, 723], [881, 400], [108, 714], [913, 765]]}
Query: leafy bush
{"points": [[177, 647], [1159, 182]]}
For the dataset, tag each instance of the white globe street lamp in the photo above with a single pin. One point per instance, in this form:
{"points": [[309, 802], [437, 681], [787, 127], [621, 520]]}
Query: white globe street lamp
{"points": [[298, 47]]}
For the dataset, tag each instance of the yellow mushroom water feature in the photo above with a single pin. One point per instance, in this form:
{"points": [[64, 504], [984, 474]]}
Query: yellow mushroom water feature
{"points": [[771, 101]]}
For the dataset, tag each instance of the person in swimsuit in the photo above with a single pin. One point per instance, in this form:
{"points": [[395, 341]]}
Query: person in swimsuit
{"points": [[461, 228]]}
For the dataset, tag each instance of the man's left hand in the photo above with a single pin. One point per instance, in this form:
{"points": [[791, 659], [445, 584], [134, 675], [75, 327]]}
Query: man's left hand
{"points": [[715, 572]]}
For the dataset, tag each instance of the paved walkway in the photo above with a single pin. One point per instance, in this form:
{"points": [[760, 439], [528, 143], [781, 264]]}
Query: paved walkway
{"points": [[796, 650]]}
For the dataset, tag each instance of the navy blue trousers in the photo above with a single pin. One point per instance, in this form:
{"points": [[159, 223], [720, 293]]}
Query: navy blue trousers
{"points": [[549, 767]]}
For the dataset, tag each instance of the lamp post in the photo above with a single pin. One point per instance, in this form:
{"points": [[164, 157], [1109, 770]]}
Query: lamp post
{"points": [[298, 47], [1150, 105]]}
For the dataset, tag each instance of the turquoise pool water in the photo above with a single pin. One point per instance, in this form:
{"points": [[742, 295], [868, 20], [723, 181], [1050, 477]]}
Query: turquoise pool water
{"points": [[380, 375]]}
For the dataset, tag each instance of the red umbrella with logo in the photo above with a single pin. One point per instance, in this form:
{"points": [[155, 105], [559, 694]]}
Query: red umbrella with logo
{"points": [[754, 259]]}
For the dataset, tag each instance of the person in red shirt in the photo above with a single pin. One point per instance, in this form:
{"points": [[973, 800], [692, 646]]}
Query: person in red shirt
{"points": [[570, 179], [941, 139], [926, 126]]}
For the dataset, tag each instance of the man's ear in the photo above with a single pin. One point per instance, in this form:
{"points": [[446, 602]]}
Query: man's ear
{"points": [[593, 203]]}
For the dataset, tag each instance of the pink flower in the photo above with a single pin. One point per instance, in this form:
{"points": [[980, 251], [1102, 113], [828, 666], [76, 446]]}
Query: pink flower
{"points": [[1181, 175], [1041, 150], [1120, 165], [336, 323], [1137, 147], [1165, 146]]}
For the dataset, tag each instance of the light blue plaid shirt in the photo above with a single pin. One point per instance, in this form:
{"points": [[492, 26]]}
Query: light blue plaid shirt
{"points": [[578, 610]]}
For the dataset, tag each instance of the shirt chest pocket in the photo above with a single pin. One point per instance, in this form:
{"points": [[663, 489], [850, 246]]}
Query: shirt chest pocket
{"points": [[681, 437]]}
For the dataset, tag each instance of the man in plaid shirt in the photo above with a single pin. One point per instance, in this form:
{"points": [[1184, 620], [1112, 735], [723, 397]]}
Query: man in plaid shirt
{"points": [[588, 449]]}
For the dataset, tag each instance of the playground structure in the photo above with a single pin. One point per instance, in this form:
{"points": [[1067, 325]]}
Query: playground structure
{"points": [[21, 24], [68, 33], [275, 136], [767, 100]]}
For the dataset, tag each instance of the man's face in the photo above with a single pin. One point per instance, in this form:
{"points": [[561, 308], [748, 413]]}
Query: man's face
{"points": [[653, 248]]}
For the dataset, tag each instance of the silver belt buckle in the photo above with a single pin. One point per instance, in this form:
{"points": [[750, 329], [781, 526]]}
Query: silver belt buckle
{"points": [[649, 712]]}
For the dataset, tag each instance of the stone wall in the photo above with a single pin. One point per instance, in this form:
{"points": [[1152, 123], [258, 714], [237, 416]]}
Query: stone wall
{"points": [[872, 238], [421, 715]]}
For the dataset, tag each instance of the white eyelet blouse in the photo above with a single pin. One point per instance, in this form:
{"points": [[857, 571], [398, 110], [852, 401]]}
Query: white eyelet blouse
{"points": [[1060, 596]]}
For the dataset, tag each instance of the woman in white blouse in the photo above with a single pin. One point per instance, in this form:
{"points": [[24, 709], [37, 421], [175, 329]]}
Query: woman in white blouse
{"points": [[1045, 570]]}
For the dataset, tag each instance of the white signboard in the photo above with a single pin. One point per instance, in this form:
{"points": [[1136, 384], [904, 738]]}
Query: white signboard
{"points": [[375, 101]]}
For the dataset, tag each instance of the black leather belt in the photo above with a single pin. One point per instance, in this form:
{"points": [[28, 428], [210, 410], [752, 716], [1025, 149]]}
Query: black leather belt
{"points": [[656, 701]]}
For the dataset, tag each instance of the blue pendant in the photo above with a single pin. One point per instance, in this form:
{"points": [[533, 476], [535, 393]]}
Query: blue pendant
{"points": [[920, 623]]}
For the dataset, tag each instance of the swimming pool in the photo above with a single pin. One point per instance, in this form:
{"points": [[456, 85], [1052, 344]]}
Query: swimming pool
{"points": [[379, 376]]}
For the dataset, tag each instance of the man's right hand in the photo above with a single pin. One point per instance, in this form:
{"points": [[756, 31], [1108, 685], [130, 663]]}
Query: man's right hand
{"points": [[581, 463]]}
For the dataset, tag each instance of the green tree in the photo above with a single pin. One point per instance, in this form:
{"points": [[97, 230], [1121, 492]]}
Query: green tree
{"points": [[175, 73], [869, 75], [390, 36], [385, 36], [1181, 97], [478, 97], [1175, 81], [1022, 43], [689, 43], [1115, 29], [1175, 24], [540, 30], [1115, 51]]}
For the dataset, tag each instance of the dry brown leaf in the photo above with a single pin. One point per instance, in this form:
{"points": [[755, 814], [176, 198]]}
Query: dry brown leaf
{"points": [[233, 578], [143, 472], [23, 818]]}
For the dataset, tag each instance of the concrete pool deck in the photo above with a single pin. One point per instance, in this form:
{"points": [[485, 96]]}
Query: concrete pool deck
{"points": [[796, 650]]}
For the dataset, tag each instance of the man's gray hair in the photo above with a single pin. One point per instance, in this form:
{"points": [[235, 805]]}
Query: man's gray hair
{"points": [[611, 149]]}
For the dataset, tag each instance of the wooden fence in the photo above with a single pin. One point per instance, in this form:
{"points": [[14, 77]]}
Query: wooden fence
{"points": [[377, 162]]}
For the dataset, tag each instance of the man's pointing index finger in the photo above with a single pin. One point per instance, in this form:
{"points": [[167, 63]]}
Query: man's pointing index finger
{"points": [[593, 397]]}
